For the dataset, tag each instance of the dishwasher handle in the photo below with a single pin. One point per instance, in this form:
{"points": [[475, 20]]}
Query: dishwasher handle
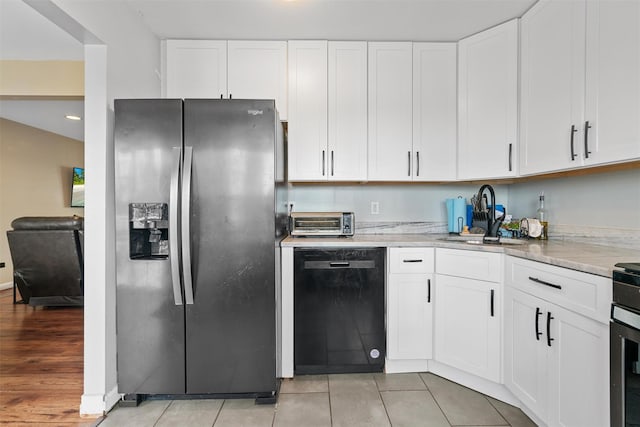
{"points": [[339, 264]]}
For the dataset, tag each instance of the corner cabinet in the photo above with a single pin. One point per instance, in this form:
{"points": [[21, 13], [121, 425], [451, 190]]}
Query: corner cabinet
{"points": [[468, 313], [557, 342], [410, 299], [488, 103], [572, 114], [390, 111], [434, 111]]}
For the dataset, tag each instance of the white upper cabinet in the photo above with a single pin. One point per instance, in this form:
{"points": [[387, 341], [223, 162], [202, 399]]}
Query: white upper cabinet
{"points": [[390, 111], [434, 111], [488, 103], [233, 69], [574, 115], [613, 82], [307, 132], [196, 69], [552, 86], [347, 97], [258, 70]]}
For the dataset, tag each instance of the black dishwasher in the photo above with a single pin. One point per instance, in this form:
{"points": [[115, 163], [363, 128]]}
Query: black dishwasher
{"points": [[339, 310]]}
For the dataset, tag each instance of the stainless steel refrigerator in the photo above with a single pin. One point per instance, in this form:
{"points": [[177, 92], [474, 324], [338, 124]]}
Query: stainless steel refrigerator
{"points": [[200, 210]]}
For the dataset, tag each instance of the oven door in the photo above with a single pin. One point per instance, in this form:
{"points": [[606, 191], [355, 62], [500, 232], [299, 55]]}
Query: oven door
{"points": [[625, 367]]}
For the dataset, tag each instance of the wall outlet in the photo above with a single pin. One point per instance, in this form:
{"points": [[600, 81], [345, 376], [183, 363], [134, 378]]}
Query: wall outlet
{"points": [[375, 208]]}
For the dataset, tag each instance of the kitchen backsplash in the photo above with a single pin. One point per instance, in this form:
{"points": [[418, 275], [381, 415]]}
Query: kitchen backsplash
{"points": [[600, 208]]}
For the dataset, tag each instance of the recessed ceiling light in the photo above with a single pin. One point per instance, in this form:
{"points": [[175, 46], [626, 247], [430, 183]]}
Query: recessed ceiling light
{"points": [[72, 117]]}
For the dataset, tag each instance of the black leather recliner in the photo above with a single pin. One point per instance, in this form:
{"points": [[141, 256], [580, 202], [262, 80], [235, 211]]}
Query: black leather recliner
{"points": [[47, 260]]}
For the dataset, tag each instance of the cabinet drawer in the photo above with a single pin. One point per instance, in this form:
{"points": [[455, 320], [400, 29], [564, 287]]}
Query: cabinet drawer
{"points": [[410, 260], [470, 264], [582, 293]]}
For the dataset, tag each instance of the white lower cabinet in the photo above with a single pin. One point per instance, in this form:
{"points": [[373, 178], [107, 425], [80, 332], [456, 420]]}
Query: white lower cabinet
{"points": [[556, 361], [409, 305], [526, 367], [468, 312], [467, 325]]}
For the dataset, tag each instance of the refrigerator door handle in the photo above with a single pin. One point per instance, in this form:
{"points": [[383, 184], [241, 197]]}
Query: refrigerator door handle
{"points": [[186, 225], [174, 250]]}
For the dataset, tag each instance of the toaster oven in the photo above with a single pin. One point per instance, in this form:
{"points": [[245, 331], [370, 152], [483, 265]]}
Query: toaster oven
{"points": [[321, 223]]}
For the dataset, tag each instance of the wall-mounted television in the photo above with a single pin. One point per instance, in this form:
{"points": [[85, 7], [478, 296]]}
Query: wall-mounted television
{"points": [[77, 188]]}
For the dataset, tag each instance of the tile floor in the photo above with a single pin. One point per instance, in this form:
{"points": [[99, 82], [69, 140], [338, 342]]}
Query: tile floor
{"points": [[336, 400]]}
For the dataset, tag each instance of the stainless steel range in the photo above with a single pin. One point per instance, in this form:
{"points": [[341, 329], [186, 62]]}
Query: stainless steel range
{"points": [[625, 343]]}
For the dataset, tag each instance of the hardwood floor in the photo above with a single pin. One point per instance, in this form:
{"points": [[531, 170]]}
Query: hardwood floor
{"points": [[41, 365]]}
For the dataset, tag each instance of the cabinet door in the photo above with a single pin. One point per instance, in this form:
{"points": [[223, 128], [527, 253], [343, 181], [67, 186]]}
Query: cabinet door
{"points": [[434, 111], [552, 86], [307, 131], [258, 70], [390, 111], [196, 69], [525, 363], [488, 103], [613, 82], [409, 316], [467, 325], [579, 370], [347, 140]]}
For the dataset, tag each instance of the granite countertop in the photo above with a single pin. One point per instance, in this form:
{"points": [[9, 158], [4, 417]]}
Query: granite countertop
{"points": [[588, 258]]}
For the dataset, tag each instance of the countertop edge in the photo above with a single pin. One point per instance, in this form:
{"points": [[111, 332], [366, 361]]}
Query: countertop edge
{"points": [[587, 258]]}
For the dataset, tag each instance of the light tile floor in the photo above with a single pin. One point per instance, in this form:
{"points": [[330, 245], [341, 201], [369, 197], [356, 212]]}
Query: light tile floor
{"points": [[335, 400]]}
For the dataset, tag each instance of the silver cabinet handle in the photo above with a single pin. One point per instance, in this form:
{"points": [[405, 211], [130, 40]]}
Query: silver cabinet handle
{"points": [[186, 225], [428, 290], [408, 163], [417, 163], [510, 157], [174, 251]]}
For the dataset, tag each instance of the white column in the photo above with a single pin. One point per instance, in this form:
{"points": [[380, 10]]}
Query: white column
{"points": [[100, 387]]}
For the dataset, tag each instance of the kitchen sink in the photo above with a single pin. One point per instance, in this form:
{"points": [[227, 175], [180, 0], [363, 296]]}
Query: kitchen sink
{"points": [[478, 240]]}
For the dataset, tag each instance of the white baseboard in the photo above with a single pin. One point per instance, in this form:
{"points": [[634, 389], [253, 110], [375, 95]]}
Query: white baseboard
{"points": [[96, 405], [7, 285], [111, 399], [400, 366]]}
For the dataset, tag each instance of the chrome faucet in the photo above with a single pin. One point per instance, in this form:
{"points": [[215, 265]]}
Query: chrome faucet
{"points": [[493, 223]]}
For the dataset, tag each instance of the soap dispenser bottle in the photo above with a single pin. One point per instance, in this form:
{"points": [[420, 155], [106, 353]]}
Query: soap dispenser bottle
{"points": [[541, 214]]}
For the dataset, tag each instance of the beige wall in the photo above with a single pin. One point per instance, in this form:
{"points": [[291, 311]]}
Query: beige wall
{"points": [[42, 78], [35, 178]]}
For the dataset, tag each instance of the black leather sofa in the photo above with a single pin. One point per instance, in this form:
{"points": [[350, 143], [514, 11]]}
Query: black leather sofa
{"points": [[47, 256]]}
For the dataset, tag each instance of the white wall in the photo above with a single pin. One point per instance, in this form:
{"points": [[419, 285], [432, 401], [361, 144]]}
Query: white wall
{"points": [[600, 200], [124, 65], [397, 203]]}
